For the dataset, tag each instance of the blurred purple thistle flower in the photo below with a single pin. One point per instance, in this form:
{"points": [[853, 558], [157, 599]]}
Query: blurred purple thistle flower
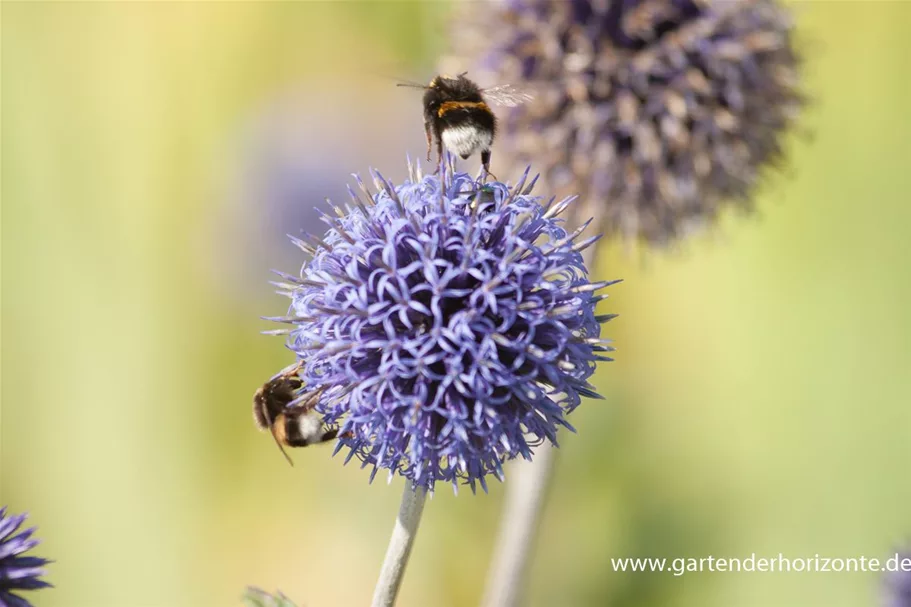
{"points": [[898, 585], [658, 112], [449, 323], [18, 572]]}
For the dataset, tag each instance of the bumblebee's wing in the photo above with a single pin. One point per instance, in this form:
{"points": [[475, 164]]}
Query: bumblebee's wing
{"points": [[507, 95], [306, 401]]}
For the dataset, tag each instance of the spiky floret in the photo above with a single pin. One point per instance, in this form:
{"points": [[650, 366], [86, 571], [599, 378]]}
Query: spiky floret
{"points": [[898, 583], [657, 112], [449, 323], [18, 572]]}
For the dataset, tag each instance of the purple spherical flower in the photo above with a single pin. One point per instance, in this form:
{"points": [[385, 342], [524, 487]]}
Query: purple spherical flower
{"points": [[898, 583], [18, 572], [658, 112], [447, 325]]}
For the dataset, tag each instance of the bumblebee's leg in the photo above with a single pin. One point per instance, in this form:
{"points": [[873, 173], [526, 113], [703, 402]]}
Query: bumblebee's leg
{"points": [[439, 154], [428, 132], [329, 435], [485, 162], [297, 440], [290, 371]]}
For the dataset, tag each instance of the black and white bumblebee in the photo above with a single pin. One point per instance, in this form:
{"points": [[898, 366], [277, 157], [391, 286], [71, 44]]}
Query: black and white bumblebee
{"points": [[456, 115], [297, 425]]}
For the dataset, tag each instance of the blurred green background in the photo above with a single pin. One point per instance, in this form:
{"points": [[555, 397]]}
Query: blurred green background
{"points": [[759, 401]]}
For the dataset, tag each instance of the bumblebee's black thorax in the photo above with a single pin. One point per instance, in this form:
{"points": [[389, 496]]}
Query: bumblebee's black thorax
{"points": [[272, 398]]}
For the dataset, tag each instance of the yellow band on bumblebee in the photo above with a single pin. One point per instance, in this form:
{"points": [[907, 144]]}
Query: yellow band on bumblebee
{"points": [[461, 105]]}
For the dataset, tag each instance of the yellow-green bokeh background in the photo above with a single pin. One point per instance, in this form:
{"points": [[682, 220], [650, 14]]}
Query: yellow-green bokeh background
{"points": [[759, 401]]}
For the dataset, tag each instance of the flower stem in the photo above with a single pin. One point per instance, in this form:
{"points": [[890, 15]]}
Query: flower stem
{"points": [[526, 490], [406, 527]]}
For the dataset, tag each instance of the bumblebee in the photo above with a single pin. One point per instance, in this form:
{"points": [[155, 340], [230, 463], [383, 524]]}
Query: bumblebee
{"points": [[296, 425], [456, 115]]}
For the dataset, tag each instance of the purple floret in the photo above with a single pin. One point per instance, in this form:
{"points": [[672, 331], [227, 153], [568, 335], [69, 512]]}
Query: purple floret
{"points": [[18, 572], [898, 585]]}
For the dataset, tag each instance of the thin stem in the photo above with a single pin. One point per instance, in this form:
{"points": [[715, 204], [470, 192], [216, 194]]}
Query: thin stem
{"points": [[406, 527], [526, 489]]}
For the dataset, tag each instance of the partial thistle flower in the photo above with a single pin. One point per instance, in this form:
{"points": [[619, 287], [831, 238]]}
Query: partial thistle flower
{"points": [[18, 572], [445, 325], [255, 597], [659, 113], [898, 583]]}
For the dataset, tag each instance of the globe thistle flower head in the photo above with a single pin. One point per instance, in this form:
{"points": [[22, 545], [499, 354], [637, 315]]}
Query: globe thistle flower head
{"points": [[657, 112], [446, 324], [18, 572], [898, 584]]}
